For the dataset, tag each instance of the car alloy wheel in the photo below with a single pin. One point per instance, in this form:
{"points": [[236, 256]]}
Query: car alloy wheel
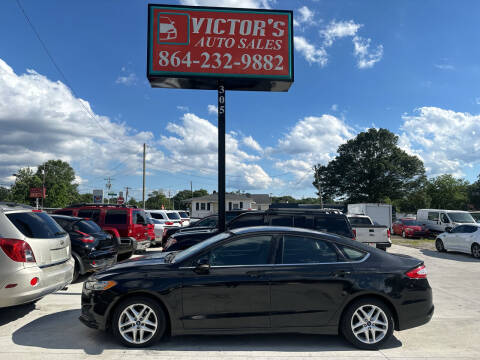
{"points": [[439, 245], [139, 322], [367, 323], [476, 251]]}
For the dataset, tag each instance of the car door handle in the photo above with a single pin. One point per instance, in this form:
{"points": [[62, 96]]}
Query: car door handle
{"points": [[256, 274], [340, 273]]}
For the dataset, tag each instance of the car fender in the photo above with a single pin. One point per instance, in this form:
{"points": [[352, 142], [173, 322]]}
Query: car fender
{"points": [[113, 231], [80, 262]]}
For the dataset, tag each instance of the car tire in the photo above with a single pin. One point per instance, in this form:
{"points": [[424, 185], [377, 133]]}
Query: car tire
{"points": [[128, 321], [439, 245], [476, 251], [76, 270], [403, 234], [379, 325]]}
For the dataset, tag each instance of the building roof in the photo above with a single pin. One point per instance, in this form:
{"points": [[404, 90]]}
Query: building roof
{"points": [[257, 198]]}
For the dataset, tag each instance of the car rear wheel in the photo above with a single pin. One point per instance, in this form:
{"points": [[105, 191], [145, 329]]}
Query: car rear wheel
{"points": [[367, 324], [138, 322], [476, 251], [76, 270], [439, 245]]}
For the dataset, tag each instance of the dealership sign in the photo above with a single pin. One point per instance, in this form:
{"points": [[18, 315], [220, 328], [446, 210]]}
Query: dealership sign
{"points": [[37, 192], [195, 47]]}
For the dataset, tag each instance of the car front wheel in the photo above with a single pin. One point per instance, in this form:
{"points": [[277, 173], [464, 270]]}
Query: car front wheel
{"points": [[139, 322], [439, 245], [476, 251], [367, 324]]}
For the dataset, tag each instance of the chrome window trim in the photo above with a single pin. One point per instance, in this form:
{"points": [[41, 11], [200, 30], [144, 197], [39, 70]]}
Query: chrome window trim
{"points": [[278, 265]]}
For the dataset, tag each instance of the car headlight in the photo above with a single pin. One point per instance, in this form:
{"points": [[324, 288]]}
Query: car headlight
{"points": [[99, 285]]}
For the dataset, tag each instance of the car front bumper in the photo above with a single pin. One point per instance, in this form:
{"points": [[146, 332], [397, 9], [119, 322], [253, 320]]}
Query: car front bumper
{"points": [[50, 280]]}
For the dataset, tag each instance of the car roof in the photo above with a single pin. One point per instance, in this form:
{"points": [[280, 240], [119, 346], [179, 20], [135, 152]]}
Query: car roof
{"points": [[66, 217], [12, 206]]}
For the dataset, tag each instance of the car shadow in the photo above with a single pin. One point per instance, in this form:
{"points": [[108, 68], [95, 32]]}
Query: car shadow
{"points": [[451, 255], [63, 330], [13, 313]]}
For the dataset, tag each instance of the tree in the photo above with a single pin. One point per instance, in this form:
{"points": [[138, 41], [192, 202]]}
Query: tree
{"points": [[446, 192], [370, 168], [84, 198], [474, 194], [156, 199], [133, 202], [181, 196], [4, 193], [415, 199], [59, 183], [25, 179]]}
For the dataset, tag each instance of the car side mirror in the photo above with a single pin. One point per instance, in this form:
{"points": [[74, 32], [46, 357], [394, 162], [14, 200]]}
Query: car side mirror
{"points": [[202, 266]]}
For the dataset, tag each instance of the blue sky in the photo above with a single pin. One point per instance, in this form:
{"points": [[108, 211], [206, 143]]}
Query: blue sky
{"points": [[411, 67]]}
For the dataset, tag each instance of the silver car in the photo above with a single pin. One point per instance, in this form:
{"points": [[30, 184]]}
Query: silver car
{"points": [[35, 255]]}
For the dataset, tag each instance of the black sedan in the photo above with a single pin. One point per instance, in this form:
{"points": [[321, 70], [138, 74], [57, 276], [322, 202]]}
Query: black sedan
{"points": [[259, 280], [92, 248]]}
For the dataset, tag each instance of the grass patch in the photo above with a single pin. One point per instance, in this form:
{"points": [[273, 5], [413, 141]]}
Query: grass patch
{"points": [[422, 243]]}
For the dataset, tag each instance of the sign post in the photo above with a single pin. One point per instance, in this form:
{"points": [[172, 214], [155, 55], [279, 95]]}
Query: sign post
{"points": [[214, 48]]}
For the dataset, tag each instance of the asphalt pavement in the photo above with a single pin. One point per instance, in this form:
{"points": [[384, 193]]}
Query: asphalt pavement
{"points": [[50, 328]]}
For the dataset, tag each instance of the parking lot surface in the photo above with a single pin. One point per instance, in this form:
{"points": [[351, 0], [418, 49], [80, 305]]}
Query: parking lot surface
{"points": [[50, 328]]}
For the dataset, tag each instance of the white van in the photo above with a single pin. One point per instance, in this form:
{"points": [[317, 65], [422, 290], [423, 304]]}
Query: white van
{"points": [[438, 220]]}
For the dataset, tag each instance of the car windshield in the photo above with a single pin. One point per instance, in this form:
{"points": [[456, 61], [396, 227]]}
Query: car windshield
{"points": [[36, 225], [183, 214], [207, 221], [200, 246], [87, 226], [411, 222], [461, 217], [173, 216]]}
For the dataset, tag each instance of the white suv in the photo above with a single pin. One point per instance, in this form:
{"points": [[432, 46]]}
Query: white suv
{"points": [[35, 255]]}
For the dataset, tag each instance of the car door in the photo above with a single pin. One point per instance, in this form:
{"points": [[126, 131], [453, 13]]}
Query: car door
{"points": [[444, 222], [235, 291], [465, 239], [433, 221], [452, 238], [139, 225], [308, 282]]}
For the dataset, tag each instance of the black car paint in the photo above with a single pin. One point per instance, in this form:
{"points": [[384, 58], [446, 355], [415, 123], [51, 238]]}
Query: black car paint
{"points": [[103, 250], [304, 298]]}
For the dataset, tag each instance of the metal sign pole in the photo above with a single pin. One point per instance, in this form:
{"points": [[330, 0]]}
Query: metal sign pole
{"points": [[221, 157]]}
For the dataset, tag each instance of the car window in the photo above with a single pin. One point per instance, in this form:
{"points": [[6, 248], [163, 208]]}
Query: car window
{"points": [[458, 229], [87, 226], [116, 217], [90, 214], [253, 250], [351, 254], [281, 220], [64, 212], [444, 218], [246, 220], [173, 216], [332, 225], [303, 222], [157, 216], [36, 225], [62, 222], [183, 214], [138, 217], [433, 216], [306, 250], [461, 217], [357, 220], [207, 222], [470, 229]]}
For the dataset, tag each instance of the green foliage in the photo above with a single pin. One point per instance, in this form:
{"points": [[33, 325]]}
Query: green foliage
{"points": [[474, 194], [59, 183], [447, 192], [369, 168], [4, 193], [179, 199], [84, 198], [134, 202], [24, 180], [156, 199]]}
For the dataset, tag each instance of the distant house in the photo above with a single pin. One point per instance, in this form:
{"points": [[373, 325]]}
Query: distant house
{"points": [[207, 205]]}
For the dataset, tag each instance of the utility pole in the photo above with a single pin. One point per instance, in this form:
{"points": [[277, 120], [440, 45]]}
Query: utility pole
{"points": [[108, 186], [169, 202], [43, 184], [143, 190], [191, 200], [320, 193]]}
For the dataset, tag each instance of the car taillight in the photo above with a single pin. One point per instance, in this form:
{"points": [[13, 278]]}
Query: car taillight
{"points": [[86, 238], [354, 234], [17, 250], [388, 234], [418, 273], [168, 222]]}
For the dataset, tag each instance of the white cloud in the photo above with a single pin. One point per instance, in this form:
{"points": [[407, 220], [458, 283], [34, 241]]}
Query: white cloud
{"points": [[42, 120], [444, 66], [304, 16], [212, 109], [334, 107], [311, 53], [366, 58], [251, 143], [128, 80], [230, 3], [182, 108], [337, 30], [193, 147], [447, 141]]}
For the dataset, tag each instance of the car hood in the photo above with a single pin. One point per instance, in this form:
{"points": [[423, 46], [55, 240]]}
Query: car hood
{"points": [[131, 264], [205, 231]]}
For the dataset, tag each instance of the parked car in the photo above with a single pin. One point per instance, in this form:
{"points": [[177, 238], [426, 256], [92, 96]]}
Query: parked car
{"points": [[35, 255], [127, 224], [169, 218], [409, 228], [272, 279], [185, 218], [92, 248], [463, 238], [331, 221], [159, 229], [475, 215], [366, 232], [437, 220]]}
